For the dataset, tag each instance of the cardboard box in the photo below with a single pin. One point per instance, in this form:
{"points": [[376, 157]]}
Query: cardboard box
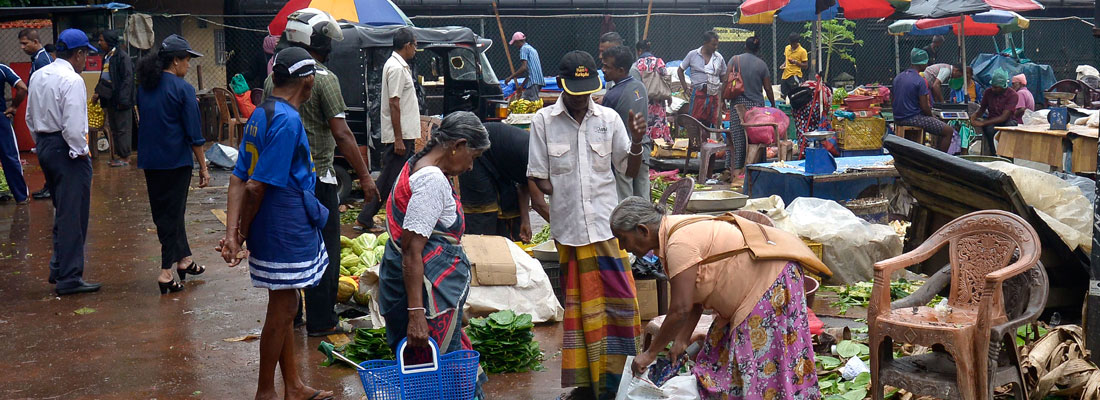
{"points": [[490, 260], [647, 298]]}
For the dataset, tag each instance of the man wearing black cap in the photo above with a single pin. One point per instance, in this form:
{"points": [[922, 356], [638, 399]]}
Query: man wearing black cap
{"points": [[323, 116], [574, 144], [57, 111], [115, 92]]}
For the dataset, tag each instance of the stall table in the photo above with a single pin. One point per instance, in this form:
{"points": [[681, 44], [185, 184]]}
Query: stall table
{"points": [[789, 180], [1071, 150]]}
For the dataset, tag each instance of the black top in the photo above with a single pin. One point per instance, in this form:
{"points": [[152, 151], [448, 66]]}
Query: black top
{"points": [[498, 171]]}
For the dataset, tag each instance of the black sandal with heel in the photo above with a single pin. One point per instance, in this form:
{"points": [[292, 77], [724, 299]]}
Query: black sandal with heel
{"points": [[192, 269], [166, 287]]}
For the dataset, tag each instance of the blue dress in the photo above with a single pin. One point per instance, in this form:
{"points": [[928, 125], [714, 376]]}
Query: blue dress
{"points": [[287, 251]]}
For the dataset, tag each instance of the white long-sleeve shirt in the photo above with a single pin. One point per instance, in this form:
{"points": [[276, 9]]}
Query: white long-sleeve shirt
{"points": [[58, 102], [577, 158]]}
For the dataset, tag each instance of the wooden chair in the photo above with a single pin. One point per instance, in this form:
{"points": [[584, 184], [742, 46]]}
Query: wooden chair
{"points": [[757, 151], [698, 134], [987, 248], [229, 116], [683, 189]]}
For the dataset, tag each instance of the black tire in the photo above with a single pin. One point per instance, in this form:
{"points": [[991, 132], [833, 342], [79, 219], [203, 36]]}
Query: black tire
{"points": [[343, 182]]}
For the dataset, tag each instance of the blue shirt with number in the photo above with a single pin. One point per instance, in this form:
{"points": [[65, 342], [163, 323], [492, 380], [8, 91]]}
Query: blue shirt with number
{"points": [[277, 155]]}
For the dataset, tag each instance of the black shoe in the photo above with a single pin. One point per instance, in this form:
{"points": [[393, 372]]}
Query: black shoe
{"points": [[172, 286], [41, 194], [193, 269], [83, 287]]}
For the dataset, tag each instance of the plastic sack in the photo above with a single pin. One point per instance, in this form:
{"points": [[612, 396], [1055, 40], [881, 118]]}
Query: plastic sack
{"points": [[532, 293], [765, 115], [683, 387], [1058, 203], [222, 156], [244, 103]]}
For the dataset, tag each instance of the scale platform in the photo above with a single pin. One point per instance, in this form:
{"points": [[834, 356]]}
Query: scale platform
{"points": [[952, 115]]}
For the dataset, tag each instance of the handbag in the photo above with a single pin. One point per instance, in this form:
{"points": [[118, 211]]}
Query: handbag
{"points": [[657, 86], [800, 97], [735, 86]]}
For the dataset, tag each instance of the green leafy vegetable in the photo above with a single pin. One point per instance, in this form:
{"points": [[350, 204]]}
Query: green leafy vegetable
{"points": [[859, 293], [84, 311], [368, 344], [542, 236], [506, 342]]}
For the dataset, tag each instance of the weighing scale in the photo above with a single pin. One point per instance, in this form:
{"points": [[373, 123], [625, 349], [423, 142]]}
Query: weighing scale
{"points": [[818, 159], [950, 112], [1059, 116]]}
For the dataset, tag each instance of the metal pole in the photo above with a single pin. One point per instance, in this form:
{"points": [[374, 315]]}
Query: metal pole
{"points": [[897, 56], [817, 43], [481, 21], [775, 59], [962, 39]]}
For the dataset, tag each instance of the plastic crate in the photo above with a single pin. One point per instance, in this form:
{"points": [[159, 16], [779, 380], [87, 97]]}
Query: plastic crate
{"points": [[452, 376], [553, 271], [860, 134]]}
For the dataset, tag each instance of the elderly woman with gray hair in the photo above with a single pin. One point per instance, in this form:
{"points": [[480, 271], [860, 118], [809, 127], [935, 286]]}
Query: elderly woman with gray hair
{"points": [[425, 276], [759, 346]]}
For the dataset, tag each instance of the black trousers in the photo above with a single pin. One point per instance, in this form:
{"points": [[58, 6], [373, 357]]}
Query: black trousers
{"points": [[122, 128], [70, 182], [168, 190], [391, 167], [321, 299]]}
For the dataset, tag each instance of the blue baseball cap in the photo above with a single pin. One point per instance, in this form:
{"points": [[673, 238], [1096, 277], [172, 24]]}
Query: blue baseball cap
{"points": [[73, 39]]}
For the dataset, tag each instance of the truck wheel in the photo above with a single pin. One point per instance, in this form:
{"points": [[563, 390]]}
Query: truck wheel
{"points": [[343, 183]]}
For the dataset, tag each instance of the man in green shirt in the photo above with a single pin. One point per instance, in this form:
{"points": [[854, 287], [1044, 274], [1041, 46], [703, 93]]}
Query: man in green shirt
{"points": [[323, 118]]}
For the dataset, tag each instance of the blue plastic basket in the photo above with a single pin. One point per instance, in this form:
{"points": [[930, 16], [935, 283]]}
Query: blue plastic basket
{"points": [[450, 377]]}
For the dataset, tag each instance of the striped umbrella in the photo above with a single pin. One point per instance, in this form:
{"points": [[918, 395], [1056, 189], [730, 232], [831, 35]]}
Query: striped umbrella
{"points": [[370, 12]]}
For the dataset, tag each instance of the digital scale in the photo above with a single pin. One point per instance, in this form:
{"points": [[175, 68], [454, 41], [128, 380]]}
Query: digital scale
{"points": [[818, 159], [952, 115], [950, 112]]}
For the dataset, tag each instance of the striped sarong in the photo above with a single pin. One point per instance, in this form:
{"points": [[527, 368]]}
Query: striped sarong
{"points": [[602, 324]]}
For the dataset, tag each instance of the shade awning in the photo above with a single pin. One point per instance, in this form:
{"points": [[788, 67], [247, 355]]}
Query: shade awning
{"points": [[16, 13]]}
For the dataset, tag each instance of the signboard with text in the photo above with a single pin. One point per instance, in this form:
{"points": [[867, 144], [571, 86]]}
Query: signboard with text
{"points": [[733, 34]]}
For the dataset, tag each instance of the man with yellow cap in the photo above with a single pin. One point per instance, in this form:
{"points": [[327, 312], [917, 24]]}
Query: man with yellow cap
{"points": [[913, 103], [998, 108]]}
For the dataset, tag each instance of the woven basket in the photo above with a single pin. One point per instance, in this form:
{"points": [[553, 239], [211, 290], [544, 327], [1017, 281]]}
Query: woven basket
{"points": [[872, 209]]}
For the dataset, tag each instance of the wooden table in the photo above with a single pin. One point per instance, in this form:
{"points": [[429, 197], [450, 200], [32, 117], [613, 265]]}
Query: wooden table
{"points": [[856, 175], [1073, 150]]}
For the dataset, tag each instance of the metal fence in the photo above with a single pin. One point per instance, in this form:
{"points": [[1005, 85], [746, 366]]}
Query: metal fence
{"points": [[233, 44]]}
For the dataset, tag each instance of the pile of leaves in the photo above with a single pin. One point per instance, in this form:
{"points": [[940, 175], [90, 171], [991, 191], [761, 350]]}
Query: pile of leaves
{"points": [[368, 344], [859, 293], [833, 385], [506, 342], [542, 236], [350, 215]]}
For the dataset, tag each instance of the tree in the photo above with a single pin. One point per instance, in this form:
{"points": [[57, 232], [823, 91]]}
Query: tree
{"points": [[837, 37]]}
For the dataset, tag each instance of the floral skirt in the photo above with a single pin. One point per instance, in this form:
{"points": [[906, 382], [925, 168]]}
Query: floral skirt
{"points": [[769, 355], [657, 123]]}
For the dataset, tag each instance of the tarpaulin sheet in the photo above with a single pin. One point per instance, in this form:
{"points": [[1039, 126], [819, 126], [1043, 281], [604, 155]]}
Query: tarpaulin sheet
{"points": [[791, 181], [1039, 77]]}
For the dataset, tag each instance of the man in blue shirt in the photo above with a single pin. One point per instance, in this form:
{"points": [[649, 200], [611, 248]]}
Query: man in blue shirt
{"points": [[530, 66], [28, 41], [627, 96], [9, 150], [913, 104]]}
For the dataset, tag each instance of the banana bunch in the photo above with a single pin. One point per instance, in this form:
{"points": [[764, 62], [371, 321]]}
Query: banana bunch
{"points": [[524, 106], [95, 115]]}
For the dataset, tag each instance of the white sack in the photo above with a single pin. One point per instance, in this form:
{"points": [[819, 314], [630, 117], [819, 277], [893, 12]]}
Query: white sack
{"points": [[1059, 203], [851, 245], [532, 293], [683, 387]]}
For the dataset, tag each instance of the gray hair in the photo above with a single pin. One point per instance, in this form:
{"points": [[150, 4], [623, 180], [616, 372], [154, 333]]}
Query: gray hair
{"points": [[634, 211], [455, 126]]}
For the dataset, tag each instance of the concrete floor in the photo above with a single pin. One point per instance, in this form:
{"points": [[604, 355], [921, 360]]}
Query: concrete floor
{"points": [[138, 343]]}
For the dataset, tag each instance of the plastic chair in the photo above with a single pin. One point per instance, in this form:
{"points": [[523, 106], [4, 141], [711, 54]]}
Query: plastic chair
{"points": [[683, 189], [228, 115], [981, 319], [697, 134], [784, 146]]}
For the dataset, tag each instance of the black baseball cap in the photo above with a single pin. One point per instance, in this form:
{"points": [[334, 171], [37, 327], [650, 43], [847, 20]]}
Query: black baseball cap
{"points": [[578, 75], [294, 61], [176, 43]]}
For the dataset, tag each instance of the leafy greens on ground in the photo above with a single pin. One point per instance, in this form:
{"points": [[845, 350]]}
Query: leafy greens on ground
{"points": [[506, 342]]}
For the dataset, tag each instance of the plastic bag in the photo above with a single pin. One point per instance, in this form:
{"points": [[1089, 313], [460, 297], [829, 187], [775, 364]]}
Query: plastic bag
{"points": [[532, 293], [683, 387], [1060, 204], [765, 115]]}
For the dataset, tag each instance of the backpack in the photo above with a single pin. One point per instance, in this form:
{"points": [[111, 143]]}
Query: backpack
{"points": [[657, 86], [762, 243], [735, 86]]}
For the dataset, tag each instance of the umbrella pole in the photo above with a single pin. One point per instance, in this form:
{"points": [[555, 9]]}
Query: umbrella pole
{"points": [[648, 13], [962, 39], [817, 43], [504, 41]]}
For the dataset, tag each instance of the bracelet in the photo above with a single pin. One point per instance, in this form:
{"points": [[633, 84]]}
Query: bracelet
{"points": [[640, 149], [416, 309], [242, 236]]}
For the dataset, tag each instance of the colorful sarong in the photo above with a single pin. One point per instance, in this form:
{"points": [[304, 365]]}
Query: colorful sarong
{"points": [[602, 323], [705, 108], [768, 356]]}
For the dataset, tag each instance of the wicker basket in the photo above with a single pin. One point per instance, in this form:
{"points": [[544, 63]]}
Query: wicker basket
{"points": [[860, 134], [872, 209]]}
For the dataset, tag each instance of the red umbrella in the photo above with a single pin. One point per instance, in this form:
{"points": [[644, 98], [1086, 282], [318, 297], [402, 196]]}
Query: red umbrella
{"points": [[753, 7], [860, 9], [972, 28], [1014, 5]]}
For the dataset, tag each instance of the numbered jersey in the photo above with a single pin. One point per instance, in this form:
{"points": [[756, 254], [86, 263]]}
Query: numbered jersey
{"points": [[275, 149]]}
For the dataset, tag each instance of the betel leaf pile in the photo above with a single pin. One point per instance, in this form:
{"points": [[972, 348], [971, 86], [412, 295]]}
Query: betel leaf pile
{"points": [[506, 342], [368, 344]]}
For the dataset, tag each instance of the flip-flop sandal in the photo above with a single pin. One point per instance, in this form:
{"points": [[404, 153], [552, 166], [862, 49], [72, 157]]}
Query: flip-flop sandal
{"points": [[341, 327], [318, 393]]}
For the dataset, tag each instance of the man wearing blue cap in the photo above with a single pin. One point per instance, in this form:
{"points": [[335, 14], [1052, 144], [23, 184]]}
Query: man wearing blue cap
{"points": [[913, 103], [57, 111], [998, 108]]}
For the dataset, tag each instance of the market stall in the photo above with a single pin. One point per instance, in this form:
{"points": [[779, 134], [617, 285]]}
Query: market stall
{"points": [[789, 180], [1073, 150]]}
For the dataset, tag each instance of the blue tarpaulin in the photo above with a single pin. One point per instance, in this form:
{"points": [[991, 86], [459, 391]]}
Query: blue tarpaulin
{"points": [[792, 182], [1039, 77]]}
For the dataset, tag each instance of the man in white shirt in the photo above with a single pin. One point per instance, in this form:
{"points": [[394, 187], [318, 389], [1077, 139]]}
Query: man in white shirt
{"points": [[400, 116], [57, 111], [574, 144]]}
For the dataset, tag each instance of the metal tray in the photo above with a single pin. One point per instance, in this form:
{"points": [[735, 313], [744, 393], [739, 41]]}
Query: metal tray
{"points": [[716, 200], [546, 251]]}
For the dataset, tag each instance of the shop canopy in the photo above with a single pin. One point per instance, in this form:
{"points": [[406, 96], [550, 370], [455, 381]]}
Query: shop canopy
{"points": [[369, 12]]}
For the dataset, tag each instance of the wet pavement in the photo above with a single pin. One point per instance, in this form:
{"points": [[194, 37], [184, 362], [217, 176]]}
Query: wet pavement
{"points": [[130, 342]]}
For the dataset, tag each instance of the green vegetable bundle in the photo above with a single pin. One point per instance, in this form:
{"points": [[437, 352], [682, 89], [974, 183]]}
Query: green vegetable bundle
{"points": [[506, 342], [542, 236], [368, 344], [365, 251]]}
